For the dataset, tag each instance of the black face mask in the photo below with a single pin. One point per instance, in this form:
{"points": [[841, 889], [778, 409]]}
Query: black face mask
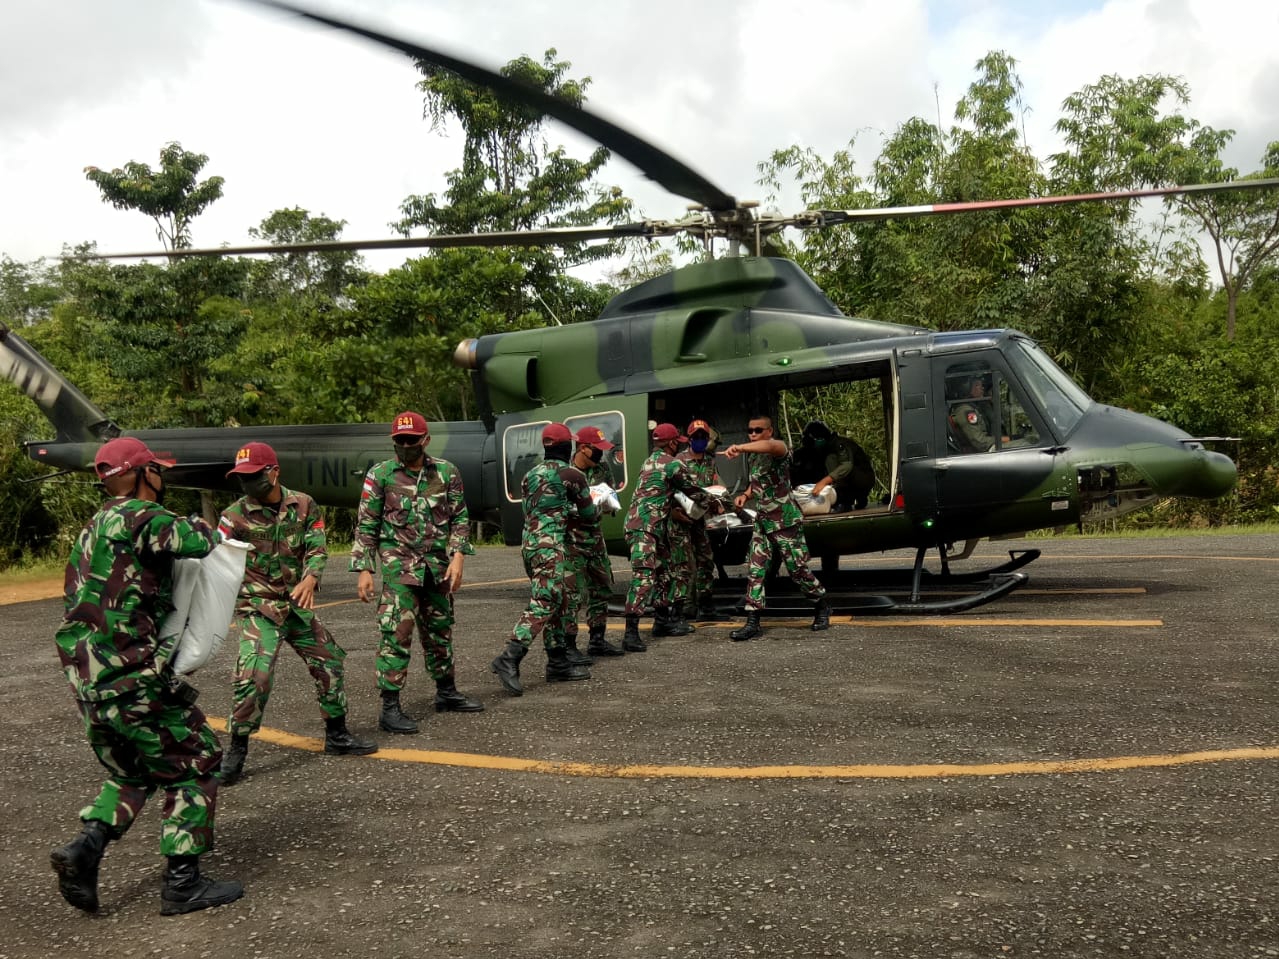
{"points": [[593, 454], [256, 485], [144, 476], [410, 455]]}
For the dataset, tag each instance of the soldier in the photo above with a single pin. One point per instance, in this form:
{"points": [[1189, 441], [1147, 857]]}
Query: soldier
{"points": [[777, 526], [690, 534], [142, 723], [825, 458], [553, 492], [647, 536], [413, 518], [594, 572], [970, 419], [277, 602]]}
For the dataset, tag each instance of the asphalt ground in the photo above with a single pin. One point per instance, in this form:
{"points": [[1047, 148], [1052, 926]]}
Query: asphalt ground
{"points": [[1086, 768]]}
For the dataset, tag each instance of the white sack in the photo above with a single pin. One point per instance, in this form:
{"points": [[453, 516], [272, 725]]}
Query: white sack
{"points": [[605, 497], [811, 505], [204, 595]]}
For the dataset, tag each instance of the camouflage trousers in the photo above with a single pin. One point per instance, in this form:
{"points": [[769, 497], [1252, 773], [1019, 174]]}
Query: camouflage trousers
{"points": [[793, 550], [402, 609], [148, 742], [260, 639], [552, 593], [650, 572], [692, 562], [594, 575]]}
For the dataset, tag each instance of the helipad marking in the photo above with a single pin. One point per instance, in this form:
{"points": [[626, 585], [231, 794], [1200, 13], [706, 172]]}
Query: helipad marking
{"points": [[866, 771], [945, 622]]}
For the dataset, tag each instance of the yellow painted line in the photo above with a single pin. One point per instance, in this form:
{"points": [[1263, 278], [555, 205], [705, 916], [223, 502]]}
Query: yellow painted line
{"points": [[866, 771], [948, 622]]}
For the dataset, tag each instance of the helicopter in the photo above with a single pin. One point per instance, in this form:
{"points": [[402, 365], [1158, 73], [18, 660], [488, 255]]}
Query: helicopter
{"points": [[726, 340]]}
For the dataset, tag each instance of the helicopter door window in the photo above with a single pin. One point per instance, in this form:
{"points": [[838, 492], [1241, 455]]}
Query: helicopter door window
{"points": [[613, 425], [971, 421], [521, 451], [1017, 429]]}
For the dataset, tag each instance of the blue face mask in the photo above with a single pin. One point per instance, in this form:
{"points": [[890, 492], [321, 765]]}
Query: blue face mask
{"points": [[698, 444]]}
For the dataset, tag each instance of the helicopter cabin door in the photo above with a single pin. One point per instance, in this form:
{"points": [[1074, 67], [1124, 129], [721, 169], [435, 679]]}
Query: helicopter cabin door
{"points": [[997, 466], [624, 423]]}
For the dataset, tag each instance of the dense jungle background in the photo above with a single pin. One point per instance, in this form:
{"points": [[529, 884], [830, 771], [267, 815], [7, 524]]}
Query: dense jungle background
{"points": [[1166, 308]]}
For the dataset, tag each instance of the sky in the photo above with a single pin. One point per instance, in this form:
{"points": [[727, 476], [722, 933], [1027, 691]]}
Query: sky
{"points": [[292, 114]]}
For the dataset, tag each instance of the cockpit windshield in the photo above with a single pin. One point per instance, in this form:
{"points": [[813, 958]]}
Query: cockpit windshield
{"points": [[1062, 402]]}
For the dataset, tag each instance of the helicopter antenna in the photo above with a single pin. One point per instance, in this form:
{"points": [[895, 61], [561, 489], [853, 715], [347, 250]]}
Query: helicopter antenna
{"points": [[547, 307]]}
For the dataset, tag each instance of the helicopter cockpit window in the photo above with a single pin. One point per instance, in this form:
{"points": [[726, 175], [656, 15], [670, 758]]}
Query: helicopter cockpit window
{"points": [[521, 451], [613, 426], [984, 412], [1062, 401]]}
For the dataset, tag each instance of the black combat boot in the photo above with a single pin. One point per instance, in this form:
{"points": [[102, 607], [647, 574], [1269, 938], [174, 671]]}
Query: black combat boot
{"points": [[560, 670], [750, 631], [338, 740], [77, 863], [393, 719], [575, 656], [821, 615], [669, 622], [449, 700], [185, 890], [632, 642], [233, 759], [706, 610], [507, 667], [600, 646]]}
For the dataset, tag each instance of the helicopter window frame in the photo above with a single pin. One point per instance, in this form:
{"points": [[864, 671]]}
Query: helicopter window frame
{"points": [[612, 423], [532, 428], [1062, 402], [1003, 386]]}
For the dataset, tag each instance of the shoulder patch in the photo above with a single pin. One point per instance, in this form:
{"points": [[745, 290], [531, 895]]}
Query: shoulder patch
{"points": [[972, 418]]}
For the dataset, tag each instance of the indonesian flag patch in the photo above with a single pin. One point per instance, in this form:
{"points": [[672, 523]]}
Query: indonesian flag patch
{"points": [[972, 418]]}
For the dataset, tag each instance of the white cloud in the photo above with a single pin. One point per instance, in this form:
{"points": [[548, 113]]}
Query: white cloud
{"points": [[292, 114]]}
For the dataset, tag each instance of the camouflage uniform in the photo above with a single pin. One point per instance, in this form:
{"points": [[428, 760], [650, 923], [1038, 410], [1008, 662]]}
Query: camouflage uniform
{"points": [[414, 520], [647, 522], [119, 585], [691, 539], [288, 543], [555, 495], [777, 527], [592, 570]]}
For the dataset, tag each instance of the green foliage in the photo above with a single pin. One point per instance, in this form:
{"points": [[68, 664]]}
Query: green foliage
{"points": [[170, 195]]}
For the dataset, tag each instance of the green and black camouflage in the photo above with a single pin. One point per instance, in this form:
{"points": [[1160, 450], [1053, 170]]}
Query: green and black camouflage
{"points": [[119, 585], [554, 493], [777, 529], [592, 571], [289, 542], [691, 539], [412, 522]]}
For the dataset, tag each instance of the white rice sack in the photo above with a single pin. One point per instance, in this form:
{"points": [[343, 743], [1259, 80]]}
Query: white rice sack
{"points": [[208, 587], [811, 505], [605, 497]]}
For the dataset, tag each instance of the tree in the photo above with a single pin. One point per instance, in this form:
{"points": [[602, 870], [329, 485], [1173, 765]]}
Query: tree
{"points": [[1243, 226], [170, 195]]}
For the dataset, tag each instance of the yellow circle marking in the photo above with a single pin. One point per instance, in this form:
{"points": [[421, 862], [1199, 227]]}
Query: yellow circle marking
{"points": [[867, 771]]}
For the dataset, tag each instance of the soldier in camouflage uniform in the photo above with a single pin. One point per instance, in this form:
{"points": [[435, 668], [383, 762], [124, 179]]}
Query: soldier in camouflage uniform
{"points": [[141, 722], [777, 526], [413, 518], [277, 603], [688, 535], [647, 535], [554, 492], [593, 571]]}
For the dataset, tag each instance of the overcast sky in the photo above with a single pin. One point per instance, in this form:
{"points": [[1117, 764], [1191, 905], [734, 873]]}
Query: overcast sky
{"points": [[297, 115]]}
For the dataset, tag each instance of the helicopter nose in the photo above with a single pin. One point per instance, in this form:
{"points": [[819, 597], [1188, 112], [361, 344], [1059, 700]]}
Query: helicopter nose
{"points": [[1214, 476]]}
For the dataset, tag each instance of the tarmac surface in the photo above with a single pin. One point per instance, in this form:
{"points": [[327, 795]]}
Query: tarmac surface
{"points": [[1085, 768]]}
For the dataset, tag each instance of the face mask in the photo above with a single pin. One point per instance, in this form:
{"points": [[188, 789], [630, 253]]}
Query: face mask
{"points": [[593, 454], [698, 444], [409, 455], [818, 443], [258, 485], [159, 491]]}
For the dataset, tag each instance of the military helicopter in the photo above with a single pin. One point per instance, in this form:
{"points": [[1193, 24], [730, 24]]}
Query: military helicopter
{"points": [[725, 340]]}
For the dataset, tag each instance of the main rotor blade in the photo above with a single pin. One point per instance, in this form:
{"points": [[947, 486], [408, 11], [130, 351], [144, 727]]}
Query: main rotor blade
{"points": [[872, 214], [559, 236], [654, 163]]}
